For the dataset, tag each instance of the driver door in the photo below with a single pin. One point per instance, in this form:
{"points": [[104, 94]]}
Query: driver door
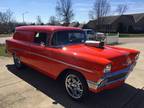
{"points": [[40, 53]]}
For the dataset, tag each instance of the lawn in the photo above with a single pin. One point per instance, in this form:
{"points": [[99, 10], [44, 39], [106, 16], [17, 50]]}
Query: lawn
{"points": [[5, 35], [2, 50], [126, 35], [131, 35]]}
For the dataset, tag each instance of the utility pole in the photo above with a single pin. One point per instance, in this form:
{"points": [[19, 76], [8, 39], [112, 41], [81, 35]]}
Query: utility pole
{"points": [[23, 16]]}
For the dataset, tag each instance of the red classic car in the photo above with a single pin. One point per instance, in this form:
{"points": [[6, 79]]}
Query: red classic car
{"points": [[63, 52]]}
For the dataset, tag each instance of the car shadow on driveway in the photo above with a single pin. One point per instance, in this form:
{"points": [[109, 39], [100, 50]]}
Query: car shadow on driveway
{"points": [[125, 96]]}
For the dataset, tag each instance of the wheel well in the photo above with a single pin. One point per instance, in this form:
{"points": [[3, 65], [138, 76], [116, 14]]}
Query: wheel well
{"points": [[63, 73]]}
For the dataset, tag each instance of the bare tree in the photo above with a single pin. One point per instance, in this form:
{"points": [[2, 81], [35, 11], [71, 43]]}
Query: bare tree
{"points": [[7, 22], [64, 11], [91, 15], [53, 20], [2, 17], [9, 15], [39, 20], [121, 9], [6, 17], [100, 9]]}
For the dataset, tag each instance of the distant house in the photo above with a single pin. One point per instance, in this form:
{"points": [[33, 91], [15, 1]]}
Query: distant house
{"points": [[77, 24], [74, 24], [122, 23]]}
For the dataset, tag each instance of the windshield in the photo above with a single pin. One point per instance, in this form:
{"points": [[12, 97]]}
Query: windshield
{"points": [[68, 37]]}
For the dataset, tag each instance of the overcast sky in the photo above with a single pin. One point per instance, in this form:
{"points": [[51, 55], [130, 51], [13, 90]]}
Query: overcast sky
{"points": [[46, 8]]}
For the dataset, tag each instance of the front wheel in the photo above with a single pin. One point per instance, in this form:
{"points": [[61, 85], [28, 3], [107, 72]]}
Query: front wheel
{"points": [[76, 86]]}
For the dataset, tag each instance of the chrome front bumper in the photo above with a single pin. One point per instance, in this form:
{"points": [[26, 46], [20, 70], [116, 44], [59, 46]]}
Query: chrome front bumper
{"points": [[111, 77]]}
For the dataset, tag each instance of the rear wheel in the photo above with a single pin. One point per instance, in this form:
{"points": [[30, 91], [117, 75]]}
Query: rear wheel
{"points": [[76, 86], [17, 61]]}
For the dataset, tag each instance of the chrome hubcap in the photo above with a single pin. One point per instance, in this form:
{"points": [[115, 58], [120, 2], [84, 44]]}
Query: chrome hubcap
{"points": [[74, 86]]}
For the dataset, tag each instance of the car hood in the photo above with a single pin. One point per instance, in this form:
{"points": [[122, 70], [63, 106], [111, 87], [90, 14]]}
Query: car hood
{"points": [[107, 52]]}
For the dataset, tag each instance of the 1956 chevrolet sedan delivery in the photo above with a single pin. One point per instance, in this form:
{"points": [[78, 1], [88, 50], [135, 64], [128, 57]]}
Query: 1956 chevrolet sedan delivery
{"points": [[63, 52]]}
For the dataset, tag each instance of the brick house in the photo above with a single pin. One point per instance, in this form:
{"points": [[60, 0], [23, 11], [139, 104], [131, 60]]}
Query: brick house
{"points": [[122, 23]]}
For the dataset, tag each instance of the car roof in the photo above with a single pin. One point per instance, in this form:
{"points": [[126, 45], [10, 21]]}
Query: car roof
{"points": [[45, 28]]}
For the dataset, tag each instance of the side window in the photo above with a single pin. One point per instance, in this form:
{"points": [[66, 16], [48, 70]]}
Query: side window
{"points": [[41, 38], [54, 39], [60, 38], [67, 37]]}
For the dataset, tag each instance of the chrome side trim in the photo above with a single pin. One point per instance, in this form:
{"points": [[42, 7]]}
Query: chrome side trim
{"points": [[92, 84], [81, 68]]}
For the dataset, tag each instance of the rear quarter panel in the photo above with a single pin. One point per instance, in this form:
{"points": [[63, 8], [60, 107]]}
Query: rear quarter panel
{"points": [[19, 45]]}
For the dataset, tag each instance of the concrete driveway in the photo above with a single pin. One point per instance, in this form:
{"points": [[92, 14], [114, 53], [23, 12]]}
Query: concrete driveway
{"points": [[27, 88], [3, 39]]}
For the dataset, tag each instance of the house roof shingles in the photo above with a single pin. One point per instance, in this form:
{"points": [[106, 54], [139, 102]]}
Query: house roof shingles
{"points": [[111, 19]]}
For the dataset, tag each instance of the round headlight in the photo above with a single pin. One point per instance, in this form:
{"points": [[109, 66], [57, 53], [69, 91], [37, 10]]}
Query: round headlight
{"points": [[107, 68]]}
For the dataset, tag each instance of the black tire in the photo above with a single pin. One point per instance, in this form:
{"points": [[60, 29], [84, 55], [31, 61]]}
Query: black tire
{"points": [[82, 89], [17, 61]]}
